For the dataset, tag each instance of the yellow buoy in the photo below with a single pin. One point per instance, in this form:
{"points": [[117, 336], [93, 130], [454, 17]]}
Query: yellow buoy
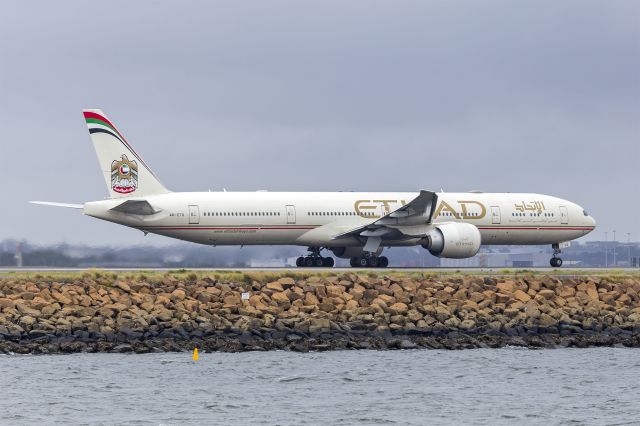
{"points": [[195, 354]]}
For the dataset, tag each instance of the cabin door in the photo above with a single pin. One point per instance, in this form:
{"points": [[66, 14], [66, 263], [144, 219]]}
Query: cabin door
{"points": [[194, 215], [495, 215], [564, 215], [291, 214]]}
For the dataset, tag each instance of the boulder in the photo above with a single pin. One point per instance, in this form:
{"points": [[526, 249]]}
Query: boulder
{"points": [[592, 292], [547, 294], [467, 324], [280, 298], [566, 291], [546, 320], [27, 320], [335, 291], [319, 324], [6, 303], [50, 309], [506, 287], [122, 286], [502, 298], [118, 307], [106, 312], [399, 308], [178, 295], [233, 300], [442, 313], [275, 286], [521, 296], [63, 299], [287, 282], [452, 322], [326, 307], [351, 305], [310, 299]]}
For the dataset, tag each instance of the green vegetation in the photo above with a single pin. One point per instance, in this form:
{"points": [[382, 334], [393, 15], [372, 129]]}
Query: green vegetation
{"points": [[106, 277]]}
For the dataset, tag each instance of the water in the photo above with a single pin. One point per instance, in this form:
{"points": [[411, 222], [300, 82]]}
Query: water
{"points": [[482, 386]]}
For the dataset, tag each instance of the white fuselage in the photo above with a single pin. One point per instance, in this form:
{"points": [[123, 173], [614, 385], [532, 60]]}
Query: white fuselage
{"points": [[315, 218]]}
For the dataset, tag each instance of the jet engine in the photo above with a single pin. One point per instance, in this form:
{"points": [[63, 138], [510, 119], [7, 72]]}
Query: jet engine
{"points": [[453, 240]]}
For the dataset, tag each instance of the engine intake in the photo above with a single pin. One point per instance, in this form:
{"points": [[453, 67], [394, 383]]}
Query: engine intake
{"points": [[453, 240]]}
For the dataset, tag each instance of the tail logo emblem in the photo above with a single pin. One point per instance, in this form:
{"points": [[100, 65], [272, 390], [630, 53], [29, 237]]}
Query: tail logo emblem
{"points": [[124, 175]]}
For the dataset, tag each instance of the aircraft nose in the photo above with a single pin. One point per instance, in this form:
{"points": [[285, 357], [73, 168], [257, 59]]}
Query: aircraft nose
{"points": [[590, 222]]}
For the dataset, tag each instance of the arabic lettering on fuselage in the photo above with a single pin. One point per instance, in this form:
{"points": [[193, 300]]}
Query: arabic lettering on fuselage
{"points": [[533, 206]]}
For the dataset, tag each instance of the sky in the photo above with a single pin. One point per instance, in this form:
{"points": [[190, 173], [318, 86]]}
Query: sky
{"points": [[500, 96]]}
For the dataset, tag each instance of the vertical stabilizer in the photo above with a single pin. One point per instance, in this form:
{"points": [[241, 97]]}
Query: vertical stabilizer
{"points": [[125, 172]]}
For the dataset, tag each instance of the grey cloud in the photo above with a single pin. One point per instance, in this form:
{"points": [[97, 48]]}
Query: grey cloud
{"points": [[372, 95]]}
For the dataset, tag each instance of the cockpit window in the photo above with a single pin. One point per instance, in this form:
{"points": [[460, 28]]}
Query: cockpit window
{"points": [[584, 212]]}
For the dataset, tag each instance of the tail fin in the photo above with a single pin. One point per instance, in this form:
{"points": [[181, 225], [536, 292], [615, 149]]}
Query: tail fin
{"points": [[125, 172]]}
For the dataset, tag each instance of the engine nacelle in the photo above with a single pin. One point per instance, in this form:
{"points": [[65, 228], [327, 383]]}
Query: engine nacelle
{"points": [[453, 240]]}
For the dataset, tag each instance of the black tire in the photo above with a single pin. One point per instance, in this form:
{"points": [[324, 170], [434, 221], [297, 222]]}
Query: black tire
{"points": [[328, 262], [318, 262], [308, 262], [300, 262], [555, 262], [383, 262], [363, 262], [354, 261], [374, 261]]}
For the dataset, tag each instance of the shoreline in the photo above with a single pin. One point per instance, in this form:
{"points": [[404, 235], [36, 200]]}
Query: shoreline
{"points": [[107, 312]]}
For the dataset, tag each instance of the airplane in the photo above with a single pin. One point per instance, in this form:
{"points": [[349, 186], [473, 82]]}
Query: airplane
{"points": [[352, 225]]}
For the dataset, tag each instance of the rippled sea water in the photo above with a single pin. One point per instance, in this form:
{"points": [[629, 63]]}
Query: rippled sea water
{"points": [[481, 386]]}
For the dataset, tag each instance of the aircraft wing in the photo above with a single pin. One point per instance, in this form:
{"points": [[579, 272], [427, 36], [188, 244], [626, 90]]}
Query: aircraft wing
{"points": [[408, 220], [140, 207]]}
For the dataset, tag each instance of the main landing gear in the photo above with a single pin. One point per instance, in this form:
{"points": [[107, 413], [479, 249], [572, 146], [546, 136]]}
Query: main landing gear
{"points": [[314, 260], [555, 261], [367, 260]]}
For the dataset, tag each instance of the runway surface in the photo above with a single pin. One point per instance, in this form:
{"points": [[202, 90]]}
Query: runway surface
{"points": [[562, 271]]}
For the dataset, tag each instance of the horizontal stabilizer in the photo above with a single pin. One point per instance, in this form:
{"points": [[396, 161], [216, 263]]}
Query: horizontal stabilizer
{"points": [[50, 203], [141, 207]]}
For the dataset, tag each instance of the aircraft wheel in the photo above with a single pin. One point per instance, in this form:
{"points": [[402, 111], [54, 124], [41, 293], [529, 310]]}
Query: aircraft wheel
{"points": [[328, 262], [363, 262], [383, 261], [556, 262], [300, 261], [308, 262], [319, 262], [354, 261], [374, 262]]}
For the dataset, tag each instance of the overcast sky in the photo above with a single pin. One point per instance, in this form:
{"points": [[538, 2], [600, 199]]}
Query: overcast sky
{"points": [[520, 96]]}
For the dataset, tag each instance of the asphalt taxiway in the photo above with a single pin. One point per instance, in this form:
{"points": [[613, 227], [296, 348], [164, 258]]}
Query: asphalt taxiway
{"points": [[502, 270]]}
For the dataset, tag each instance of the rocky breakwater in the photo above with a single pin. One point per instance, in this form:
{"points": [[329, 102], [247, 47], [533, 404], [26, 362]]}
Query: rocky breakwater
{"points": [[349, 311]]}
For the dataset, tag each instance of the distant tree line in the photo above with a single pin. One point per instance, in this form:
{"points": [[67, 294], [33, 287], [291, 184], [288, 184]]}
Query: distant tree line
{"points": [[186, 255]]}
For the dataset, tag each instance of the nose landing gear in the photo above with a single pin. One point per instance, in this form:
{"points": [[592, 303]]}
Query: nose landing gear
{"points": [[314, 259], [555, 261]]}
